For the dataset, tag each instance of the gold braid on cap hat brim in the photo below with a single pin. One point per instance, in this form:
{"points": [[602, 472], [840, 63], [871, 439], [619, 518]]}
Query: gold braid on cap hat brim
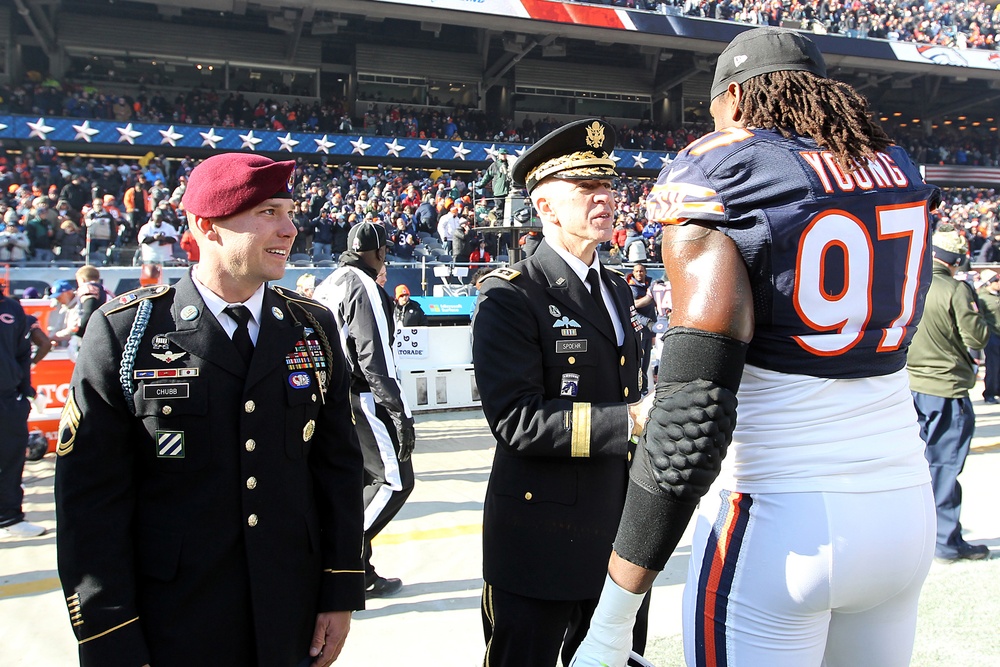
{"points": [[581, 164]]}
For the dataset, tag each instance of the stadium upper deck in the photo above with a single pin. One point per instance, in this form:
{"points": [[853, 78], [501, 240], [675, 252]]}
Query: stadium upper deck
{"points": [[510, 58]]}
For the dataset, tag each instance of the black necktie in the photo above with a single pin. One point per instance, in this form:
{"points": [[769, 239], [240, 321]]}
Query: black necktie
{"points": [[595, 291], [241, 337]]}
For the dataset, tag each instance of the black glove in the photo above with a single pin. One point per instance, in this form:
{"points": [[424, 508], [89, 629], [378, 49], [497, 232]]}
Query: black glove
{"points": [[407, 439]]}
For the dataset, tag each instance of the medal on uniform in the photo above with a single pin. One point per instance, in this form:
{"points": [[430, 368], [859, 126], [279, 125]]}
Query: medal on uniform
{"points": [[299, 358]]}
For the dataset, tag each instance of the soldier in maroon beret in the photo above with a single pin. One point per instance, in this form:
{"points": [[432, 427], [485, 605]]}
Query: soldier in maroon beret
{"points": [[209, 487]]}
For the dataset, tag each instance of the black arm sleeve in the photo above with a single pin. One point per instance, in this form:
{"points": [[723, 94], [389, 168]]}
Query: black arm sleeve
{"points": [[689, 428]]}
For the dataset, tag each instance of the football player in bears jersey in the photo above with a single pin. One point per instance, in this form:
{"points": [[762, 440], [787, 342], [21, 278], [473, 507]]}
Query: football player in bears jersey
{"points": [[796, 241]]}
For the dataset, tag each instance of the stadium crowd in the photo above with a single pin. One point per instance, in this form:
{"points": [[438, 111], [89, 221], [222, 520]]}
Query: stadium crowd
{"points": [[973, 146], [969, 24], [73, 209]]}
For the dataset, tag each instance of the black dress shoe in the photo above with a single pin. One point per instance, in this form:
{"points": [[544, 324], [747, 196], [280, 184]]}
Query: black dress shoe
{"points": [[382, 587], [967, 552], [991, 399]]}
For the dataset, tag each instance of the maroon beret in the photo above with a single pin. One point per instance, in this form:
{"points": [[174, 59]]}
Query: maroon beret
{"points": [[229, 183]]}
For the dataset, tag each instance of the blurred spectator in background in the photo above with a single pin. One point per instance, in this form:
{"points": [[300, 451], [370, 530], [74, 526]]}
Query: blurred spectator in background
{"points": [[306, 285], [14, 244], [304, 225], [408, 312], [189, 244], [156, 240], [99, 224], [645, 318], [480, 254], [70, 241]]}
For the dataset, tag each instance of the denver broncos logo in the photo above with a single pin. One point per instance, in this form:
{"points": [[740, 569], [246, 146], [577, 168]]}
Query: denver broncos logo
{"points": [[942, 55]]}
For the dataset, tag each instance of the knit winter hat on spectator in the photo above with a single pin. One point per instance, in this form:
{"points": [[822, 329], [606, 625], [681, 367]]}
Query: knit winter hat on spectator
{"points": [[576, 151], [765, 50], [948, 245], [366, 236], [402, 289], [230, 183]]}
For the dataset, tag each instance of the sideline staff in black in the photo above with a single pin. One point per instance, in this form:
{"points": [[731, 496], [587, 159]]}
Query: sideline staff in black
{"points": [[208, 484], [15, 392], [556, 365]]}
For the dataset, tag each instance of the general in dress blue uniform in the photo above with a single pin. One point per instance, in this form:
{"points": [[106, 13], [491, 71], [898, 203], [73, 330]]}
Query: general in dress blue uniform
{"points": [[557, 365]]}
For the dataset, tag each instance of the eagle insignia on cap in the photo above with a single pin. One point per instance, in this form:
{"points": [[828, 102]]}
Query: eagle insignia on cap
{"points": [[595, 135]]}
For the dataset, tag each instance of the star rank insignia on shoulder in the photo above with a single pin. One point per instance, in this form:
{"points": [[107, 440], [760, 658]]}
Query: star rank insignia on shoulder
{"points": [[130, 298], [504, 272]]}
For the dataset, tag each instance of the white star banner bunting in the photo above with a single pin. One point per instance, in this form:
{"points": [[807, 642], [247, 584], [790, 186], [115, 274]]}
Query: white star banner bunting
{"points": [[347, 147]]}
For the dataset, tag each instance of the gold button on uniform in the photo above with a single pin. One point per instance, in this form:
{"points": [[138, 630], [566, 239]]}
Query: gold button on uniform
{"points": [[251, 445], [314, 398], [622, 362], [571, 360], [166, 409], [630, 456], [249, 406], [527, 495], [252, 520], [626, 392], [251, 483]]}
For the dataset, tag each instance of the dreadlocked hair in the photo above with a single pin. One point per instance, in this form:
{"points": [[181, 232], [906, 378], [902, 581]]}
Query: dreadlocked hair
{"points": [[832, 113]]}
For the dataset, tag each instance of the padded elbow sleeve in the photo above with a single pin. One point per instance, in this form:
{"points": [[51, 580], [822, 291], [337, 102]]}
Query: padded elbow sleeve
{"points": [[688, 431]]}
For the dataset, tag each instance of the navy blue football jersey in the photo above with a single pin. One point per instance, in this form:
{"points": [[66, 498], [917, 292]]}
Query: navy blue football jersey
{"points": [[839, 262]]}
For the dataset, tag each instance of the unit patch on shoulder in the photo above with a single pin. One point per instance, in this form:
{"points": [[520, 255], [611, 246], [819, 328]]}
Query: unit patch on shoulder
{"points": [[69, 422], [504, 272]]}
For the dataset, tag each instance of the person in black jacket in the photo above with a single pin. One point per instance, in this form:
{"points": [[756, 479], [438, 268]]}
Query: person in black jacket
{"points": [[408, 312], [557, 366], [363, 312], [15, 395], [338, 233], [322, 227], [208, 479], [426, 216], [303, 229]]}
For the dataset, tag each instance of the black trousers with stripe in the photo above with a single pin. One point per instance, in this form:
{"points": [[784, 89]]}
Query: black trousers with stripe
{"points": [[388, 481], [529, 632]]}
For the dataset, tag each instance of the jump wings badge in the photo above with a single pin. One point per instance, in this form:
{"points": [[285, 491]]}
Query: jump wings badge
{"points": [[169, 357]]}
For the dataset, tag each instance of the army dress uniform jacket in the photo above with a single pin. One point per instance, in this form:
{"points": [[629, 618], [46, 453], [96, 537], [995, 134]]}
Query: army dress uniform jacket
{"points": [[554, 385], [207, 511]]}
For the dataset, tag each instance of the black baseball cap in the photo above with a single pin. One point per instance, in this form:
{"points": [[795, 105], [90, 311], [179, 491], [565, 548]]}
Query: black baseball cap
{"points": [[366, 236], [765, 50]]}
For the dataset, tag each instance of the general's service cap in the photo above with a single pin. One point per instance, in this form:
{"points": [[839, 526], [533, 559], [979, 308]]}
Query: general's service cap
{"points": [[580, 150]]}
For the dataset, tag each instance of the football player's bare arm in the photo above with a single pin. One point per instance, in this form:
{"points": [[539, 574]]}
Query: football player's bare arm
{"points": [[711, 295]]}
